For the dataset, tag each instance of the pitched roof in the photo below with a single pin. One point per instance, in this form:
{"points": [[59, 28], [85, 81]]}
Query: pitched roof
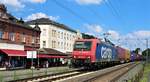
{"points": [[43, 21], [23, 25], [51, 51], [8, 18]]}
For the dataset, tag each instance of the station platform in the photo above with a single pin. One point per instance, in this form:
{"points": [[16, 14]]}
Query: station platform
{"points": [[9, 75]]}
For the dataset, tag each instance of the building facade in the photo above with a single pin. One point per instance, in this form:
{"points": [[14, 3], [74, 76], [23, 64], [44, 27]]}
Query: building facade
{"points": [[16, 38], [56, 36]]}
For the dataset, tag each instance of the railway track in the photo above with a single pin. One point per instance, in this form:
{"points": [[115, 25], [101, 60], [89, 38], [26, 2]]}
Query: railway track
{"points": [[52, 77], [112, 76], [81, 75]]}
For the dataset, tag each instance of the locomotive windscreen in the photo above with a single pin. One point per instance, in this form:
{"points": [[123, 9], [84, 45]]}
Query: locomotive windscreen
{"points": [[83, 45]]}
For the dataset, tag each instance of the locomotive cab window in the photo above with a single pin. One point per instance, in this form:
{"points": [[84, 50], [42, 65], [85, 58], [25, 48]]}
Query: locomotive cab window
{"points": [[85, 46]]}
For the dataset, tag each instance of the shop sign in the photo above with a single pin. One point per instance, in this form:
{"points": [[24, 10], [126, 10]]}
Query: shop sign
{"points": [[31, 54]]}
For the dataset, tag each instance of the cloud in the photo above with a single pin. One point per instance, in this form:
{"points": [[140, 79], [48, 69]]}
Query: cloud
{"points": [[87, 2], [14, 3], [41, 15], [114, 34], [136, 39], [93, 29], [131, 41], [143, 34], [37, 1], [19, 4]]}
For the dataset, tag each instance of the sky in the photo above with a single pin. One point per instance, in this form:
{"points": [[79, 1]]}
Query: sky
{"points": [[126, 21]]}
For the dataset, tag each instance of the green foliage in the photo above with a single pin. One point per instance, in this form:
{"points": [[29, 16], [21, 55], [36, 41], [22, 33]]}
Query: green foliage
{"points": [[137, 50], [144, 53], [146, 73], [86, 36]]}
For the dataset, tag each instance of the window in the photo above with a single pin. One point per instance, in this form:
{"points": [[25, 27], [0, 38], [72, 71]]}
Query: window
{"points": [[17, 36], [58, 45], [53, 44], [62, 45], [33, 39], [44, 32], [58, 34], [85, 45], [44, 44], [54, 33], [11, 36], [1, 34], [65, 36], [1, 14], [65, 45], [62, 35], [70, 37], [22, 37]]}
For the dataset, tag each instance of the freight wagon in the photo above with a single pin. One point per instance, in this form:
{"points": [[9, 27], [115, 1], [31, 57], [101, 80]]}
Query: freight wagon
{"points": [[127, 55], [121, 54], [133, 56]]}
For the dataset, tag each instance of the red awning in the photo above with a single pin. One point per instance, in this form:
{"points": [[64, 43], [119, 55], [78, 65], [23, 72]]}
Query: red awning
{"points": [[23, 53], [49, 56], [14, 52]]}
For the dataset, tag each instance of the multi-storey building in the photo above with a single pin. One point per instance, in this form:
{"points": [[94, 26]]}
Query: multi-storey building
{"points": [[55, 35], [16, 38]]}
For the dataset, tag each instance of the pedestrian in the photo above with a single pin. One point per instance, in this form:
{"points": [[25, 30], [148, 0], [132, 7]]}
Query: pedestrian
{"points": [[47, 64]]}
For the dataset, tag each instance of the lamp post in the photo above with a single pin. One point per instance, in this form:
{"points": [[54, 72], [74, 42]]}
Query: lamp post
{"points": [[36, 41], [147, 50]]}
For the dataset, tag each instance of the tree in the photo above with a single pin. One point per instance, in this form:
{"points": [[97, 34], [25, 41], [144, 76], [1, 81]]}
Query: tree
{"points": [[137, 50], [144, 53], [86, 36]]}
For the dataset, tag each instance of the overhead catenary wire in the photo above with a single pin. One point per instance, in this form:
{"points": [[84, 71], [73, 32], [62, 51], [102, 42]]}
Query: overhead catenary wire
{"points": [[114, 11], [71, 11], [95, 13]]}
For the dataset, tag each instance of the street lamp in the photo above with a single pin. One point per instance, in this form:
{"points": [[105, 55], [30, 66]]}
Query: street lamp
{"points": [[147, 50], [36, 40]]}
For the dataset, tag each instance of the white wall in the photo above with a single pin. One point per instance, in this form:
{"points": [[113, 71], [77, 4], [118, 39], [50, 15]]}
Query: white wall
{"points": [[47, 36]]}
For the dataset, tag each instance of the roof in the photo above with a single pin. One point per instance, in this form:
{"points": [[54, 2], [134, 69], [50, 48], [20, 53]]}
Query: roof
{"points": [[51, 51], [14, 22], [8, 18], [42, 21]]}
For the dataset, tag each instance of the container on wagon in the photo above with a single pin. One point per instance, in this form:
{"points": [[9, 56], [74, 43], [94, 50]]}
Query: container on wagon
{"points": [[127, 55], [133, 56], [121, 53]]}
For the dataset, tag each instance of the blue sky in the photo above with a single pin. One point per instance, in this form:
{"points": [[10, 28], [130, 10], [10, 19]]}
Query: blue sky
{"points": [[121, 18]]}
